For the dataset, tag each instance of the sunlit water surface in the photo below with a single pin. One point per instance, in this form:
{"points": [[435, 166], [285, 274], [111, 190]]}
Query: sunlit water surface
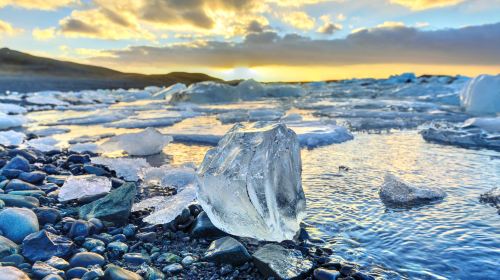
{"points": [[458, 238]]}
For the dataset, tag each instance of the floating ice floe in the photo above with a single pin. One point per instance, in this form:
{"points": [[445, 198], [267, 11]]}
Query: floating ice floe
{"points": [[482, 95], [44, 144], [49, 131], [250, 184], [126, 168], [168, 92], [90, 138], [12, 109], [41, 99], [11, 121], [144, 123], [96, 118], [473, 133], [250, 115], [213, 92], [396, 192], [76, 187], [11, 138], [492, 197], [314, 133], [147, 142], [85, 147], [167, 208]]}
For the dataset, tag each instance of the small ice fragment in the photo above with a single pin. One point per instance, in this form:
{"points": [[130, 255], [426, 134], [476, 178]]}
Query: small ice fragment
{"points": [[86, 185], [126, 168], [44, 144], [12, 109], [11, 138], [147, 142], [394, 191], [11, 121]]}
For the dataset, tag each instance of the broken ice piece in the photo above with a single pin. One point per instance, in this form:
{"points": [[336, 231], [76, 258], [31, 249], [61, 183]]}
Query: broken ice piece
{"points": [[250, 184], [86, 185], [126, 168], [147, 142], [168, 176]]}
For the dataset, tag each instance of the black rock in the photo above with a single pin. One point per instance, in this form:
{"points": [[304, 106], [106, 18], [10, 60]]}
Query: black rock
{"points": [[18, 185], [148, 237], [41, 269], [53, 277], [325, 274], [203, 228], [35, 177], [18, 163], [85, 259], [273, 260], [47, 215], [227, 250], [19, 201], [23, 153], [136, 258], [114, 208], [56, 179], [91, 169], [14, 258], [80, 228], [7, 247], [360, 276], [11, 173], [117, 273], [76, 272], [42, 245], [116, 183]]}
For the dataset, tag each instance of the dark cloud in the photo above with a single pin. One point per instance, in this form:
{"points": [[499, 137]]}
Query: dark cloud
{"points": [[71, 25], [115, 17], [475, 45], [329, 28]]}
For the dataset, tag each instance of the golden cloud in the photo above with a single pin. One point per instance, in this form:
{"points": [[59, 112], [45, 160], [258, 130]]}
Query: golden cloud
{"points": [[7, 29], [44, 34], [38, 4], [418, 5], [298, 20]]}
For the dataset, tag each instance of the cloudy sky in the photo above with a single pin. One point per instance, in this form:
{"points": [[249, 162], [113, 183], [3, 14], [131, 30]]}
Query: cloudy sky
{"points": [[264, 39]]}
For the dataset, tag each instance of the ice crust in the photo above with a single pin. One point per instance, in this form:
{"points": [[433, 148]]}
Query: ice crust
{"points": [[250, 184], [10, 137], [85, 185]]}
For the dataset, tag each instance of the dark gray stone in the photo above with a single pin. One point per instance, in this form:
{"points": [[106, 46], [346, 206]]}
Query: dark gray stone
{"points": [[85, 259], [18, 163], [273, 260], [117, 273], [76, 272], [7, 247], [18, 185], [35, 177], [326, 274], [17, 223], [41, 269], [47, 215], [11, 200], [227, 250], [136, 259], [42, 245], [114, 208], [203, 228]]}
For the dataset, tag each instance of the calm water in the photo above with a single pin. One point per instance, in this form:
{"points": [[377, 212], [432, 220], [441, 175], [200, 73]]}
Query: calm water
{"points": [[458, 238]]}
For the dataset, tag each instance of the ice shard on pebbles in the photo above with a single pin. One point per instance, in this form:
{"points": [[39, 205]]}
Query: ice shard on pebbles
{"points": [[147, 142], [126, 168], [250, 184], [81, 186]]}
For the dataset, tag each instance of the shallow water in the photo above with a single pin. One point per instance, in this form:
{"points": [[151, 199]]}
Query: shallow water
{"points": [[457, 238]]}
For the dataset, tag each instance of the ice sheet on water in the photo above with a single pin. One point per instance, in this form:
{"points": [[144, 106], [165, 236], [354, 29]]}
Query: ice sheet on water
{"points": [[250, 184], [313, 134], [96, 118], [49, 131], [86, 185], [167, 208], [144, 123], [11, 138], [396, 192], [250, 115], [45, 99], [90, 138], [482, 95], [473, 133], [44, 144], [147, 142], [11, 121], [84, 147], [126, 168], [12, 109]]}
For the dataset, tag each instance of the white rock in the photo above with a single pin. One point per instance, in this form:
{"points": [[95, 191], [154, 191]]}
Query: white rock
{"points": [[10, 137], [86, 185], [250, 184], [126, 168], [147, 142], [482, 95], [396, 192]]}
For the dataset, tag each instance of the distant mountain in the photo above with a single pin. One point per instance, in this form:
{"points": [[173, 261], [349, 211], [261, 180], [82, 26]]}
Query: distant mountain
{"points": [[24, 73]]}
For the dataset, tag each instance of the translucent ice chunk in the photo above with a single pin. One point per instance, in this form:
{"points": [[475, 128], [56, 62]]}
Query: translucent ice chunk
{"points": [[10, 121], [250, 184], [147, 142], [86, 185], [12, 109], [482, 95], [126, 168], [168, 176], [44, 144]]}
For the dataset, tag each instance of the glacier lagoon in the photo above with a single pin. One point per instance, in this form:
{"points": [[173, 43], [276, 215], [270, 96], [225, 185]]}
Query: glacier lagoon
{"points": [[371, 127]]}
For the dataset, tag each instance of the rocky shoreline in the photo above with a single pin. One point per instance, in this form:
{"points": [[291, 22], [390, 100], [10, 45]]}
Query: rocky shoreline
{"points": [[97, 237]]}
